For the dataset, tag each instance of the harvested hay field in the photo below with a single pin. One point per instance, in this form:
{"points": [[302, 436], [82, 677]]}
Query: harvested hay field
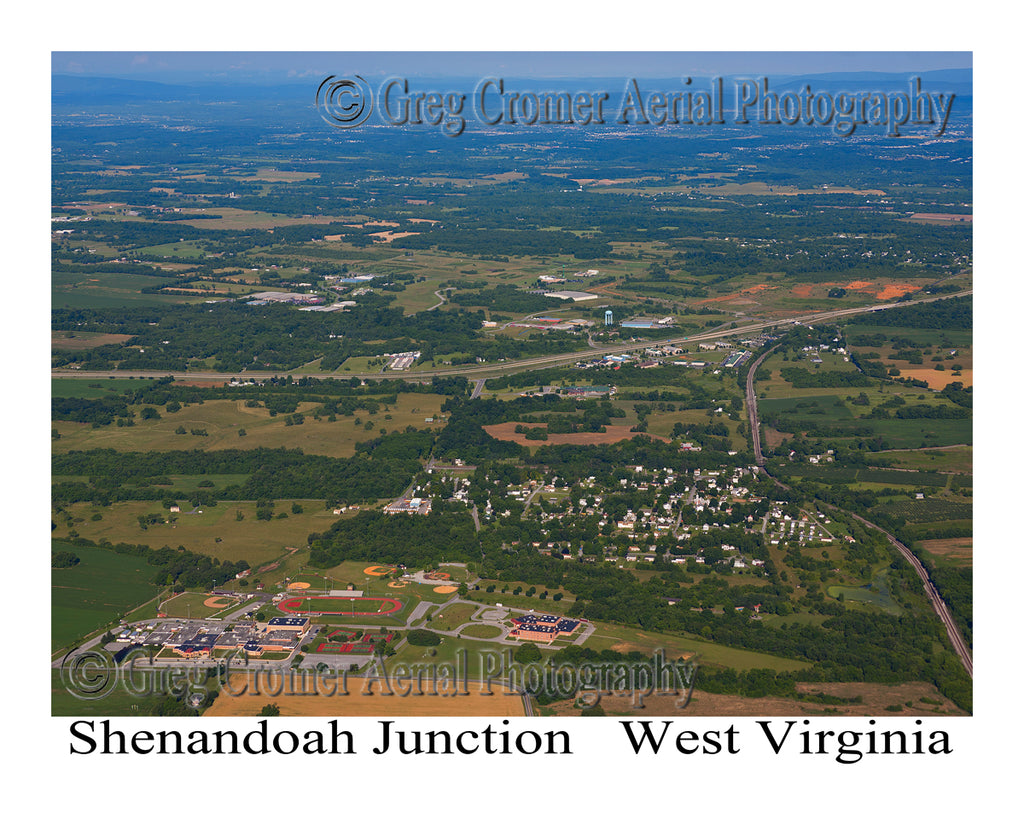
{"points": [[959, 549], [874, 699], [937, 379], [186, 382], [326, 698], [61, 340], [506, 432], [773, 437]]}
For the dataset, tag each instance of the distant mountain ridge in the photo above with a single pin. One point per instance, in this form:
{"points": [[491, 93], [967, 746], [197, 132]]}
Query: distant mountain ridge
{"points": [[69, 88]]}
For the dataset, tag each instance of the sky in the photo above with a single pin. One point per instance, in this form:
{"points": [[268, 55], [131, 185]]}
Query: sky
{"points": [[277, 66]]}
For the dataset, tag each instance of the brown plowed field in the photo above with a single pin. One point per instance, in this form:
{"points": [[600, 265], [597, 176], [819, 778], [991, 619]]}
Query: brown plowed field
{"points": [[937, 379], [960, 549]]}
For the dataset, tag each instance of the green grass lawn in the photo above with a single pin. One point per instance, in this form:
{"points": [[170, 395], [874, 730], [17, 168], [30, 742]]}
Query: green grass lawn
{"points": [[453, 616], [624, 639], [521, 601], [482, 630], [356, 606], [480, 658]]}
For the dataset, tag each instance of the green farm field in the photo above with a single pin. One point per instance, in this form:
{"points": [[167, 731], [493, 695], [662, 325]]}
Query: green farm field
{"points": [[177, 250], [821, 407], [624, 639], [919, 335], [119, 702], [914, 433], [82, 388], [951, 459], [216, 532], [927, 510], [63, 340], [101, 589], [955, 552], [222, 420], [107, 290]]}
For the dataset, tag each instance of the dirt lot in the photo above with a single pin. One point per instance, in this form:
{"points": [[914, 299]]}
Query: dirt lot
{"points": [[886, 292], [326, 703], [773, 437], [506, 432], [746, 291], [875, 697]]}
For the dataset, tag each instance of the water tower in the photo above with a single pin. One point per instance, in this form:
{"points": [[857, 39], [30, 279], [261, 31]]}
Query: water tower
{"points": [[607, 318]]}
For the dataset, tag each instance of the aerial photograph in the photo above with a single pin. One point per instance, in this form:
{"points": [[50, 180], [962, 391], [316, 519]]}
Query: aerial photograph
{"points": [[511, 384]]}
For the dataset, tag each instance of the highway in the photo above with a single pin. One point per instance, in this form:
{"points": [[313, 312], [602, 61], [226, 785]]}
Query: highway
{"points": [[755, 424], [490, 370], [955, 637], [755, 327]]}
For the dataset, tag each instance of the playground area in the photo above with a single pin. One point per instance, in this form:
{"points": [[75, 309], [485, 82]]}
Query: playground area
{"points": [[343, 641]]}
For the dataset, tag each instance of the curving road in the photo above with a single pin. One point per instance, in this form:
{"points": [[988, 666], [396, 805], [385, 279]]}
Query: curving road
{"points": [[955, 637]]}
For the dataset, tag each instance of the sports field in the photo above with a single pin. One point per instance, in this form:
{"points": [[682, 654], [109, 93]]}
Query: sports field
{"points": [[340, 605], [327, 698]]}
